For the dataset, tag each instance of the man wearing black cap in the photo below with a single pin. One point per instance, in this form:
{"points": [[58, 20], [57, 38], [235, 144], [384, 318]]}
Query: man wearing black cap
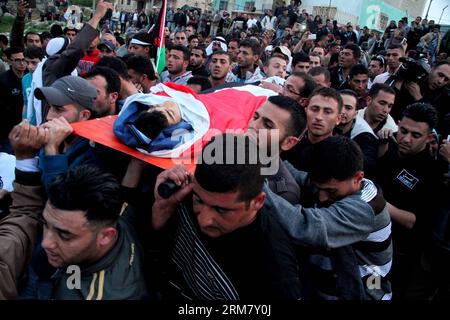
{"points": [[140, 44], [71, 99], [107, 49]]}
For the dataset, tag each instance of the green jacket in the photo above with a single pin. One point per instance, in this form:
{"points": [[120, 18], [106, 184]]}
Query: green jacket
{"points": [[117, 276]]}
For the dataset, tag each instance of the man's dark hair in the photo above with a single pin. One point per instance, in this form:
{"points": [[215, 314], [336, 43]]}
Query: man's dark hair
{"points": [[70, 29], [252, 44], [348, 92], [240, 173], [33, 53], [336, 157], [422, 112], [116, 64], [202, 48], [381, 60], [111, 76], [186, 52], [4, 39], [89, 189], [358, 69], [13, 50], [300, 57], [377, 87], [234, 40], [328, 93], [297, 119], [32, 33], [141, 65], [221, 52], [203, 82], [151, 123], [441, 63], [192, 36], [56, 30], [310, 84], [355, 49], [396, 46], [46, 35], [316, 71]]}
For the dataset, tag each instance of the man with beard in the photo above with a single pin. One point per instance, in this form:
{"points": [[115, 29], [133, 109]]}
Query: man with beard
{"points": [[177, 63], [219, 67], [107, 83], [197, 62], [357, 129]]}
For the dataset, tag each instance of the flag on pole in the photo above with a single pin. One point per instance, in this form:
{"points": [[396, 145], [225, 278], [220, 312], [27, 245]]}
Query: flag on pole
{"points": [[158, 31]]}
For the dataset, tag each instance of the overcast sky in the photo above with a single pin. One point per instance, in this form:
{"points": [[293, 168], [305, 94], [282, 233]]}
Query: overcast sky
{"points": [[436, 10]]}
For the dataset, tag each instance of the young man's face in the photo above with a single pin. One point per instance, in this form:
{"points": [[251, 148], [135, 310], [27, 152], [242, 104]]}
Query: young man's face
{"points": [[196, 60], [275, 121], [319, 51], [219, 66], [105, 102], [379, 107], [189, 31], [139, 50], [347, 59], [375, 69], [70, 112], [176, 63], [359, 83], [321, 80], [393, 58], [412, 136], [349, 111], [314, 61], [71, 34], [246, 58], [302, 67], [18, 62], [233, 49], [293, 87], [33, 40], [180, 39], [68, 237], [170, 110], [276, 67], [439, 77], [333, 190], [322, 116], [221, 213], [32, 64]]}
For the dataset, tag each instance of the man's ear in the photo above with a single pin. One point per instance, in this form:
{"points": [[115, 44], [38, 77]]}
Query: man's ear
{"points": [[255, 58], [304, 102], [106, 236], [257, 202], [289, 142], [114, 96], [358, 177], [185, 64], [84, 114]]}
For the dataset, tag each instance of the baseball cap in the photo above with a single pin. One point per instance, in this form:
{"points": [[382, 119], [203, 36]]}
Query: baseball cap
{"points": [[106, 44], [283, 50], [68, 90]]}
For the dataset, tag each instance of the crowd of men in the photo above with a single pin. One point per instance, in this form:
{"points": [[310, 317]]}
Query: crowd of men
{"points": [[359, 208]]}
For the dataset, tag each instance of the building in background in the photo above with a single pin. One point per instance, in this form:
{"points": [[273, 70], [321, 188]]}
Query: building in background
{"points": [[375, 14]]}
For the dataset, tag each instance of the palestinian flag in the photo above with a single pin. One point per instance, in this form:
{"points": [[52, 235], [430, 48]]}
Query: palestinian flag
{"points": [[159, 40]]}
